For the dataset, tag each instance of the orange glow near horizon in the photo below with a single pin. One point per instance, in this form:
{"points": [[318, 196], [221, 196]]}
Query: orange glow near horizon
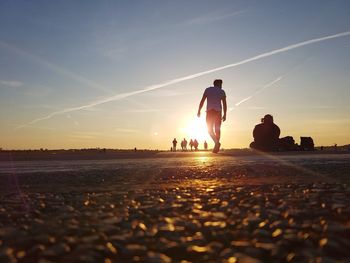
{"points": [[196, 128]]}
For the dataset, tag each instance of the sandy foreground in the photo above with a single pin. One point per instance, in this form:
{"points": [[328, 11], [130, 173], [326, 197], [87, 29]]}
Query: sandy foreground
{"points": [[196, 207]]}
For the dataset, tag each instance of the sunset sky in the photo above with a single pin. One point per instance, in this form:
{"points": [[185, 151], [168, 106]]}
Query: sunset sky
{"points": [[81, 74]]}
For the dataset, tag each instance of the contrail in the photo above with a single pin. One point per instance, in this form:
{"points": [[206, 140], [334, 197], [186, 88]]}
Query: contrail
{"points": [[177, 80], [259, 90]]}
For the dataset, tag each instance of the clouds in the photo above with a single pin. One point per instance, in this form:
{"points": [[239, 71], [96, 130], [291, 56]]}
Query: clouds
{"points": [[11, 83]]}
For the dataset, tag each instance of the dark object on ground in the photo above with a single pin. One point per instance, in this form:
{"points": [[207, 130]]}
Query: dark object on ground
{"points": [[287, 144], [306, 144], [266, 135]]}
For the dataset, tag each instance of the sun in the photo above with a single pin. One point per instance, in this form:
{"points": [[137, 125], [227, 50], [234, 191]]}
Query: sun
{"points": [[196, 128]]}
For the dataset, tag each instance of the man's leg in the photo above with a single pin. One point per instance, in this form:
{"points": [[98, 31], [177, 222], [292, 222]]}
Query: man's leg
{"points": [[210, 125], [217, 124]]}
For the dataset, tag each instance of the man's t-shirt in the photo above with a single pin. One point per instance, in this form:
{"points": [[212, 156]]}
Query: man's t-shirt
{"points": [[214, 97]]}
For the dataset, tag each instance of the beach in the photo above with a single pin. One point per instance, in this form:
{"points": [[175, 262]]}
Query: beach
{"points": [[176, 207]]}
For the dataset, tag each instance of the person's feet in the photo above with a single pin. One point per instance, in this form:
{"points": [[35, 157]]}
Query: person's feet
{"points": [[216, 147]]}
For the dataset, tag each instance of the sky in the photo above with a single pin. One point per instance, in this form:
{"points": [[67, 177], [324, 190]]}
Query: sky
{"points": [[125, 74]]}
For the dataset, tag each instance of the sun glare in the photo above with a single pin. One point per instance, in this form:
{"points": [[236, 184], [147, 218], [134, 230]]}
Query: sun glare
{"points": [[197, 129]]}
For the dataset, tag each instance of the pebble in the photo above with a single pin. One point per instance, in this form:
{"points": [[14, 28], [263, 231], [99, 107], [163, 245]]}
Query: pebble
{"points": [[190, 215], [55, 250], [154, 257], [243, 258], [135, 249]]}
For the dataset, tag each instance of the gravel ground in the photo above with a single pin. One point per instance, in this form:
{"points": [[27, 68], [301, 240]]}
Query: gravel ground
{"points": [[205, 211]]}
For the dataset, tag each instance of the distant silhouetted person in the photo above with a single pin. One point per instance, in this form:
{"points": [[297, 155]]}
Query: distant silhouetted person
{"points": [[205, 145], [214, 95], [195, 145], [266, 135], [191, 144], [185, 144], [174, 144]]}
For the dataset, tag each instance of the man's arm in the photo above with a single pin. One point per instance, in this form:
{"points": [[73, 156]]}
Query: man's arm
{"points": [[201, 105], [224, 104]]}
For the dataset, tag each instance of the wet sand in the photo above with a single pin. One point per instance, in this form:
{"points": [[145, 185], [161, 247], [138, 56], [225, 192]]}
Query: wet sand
{"points": [[178, 207]]}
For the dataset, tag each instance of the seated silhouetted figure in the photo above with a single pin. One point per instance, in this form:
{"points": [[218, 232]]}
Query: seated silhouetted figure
{"points": [[266, 135]]}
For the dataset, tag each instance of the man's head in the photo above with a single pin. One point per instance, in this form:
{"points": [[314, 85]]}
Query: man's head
{"points": [[218, 83], [268, 118]]}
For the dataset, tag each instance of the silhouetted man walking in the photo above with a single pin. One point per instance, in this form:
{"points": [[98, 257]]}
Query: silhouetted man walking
{"points": [[214, 95]]}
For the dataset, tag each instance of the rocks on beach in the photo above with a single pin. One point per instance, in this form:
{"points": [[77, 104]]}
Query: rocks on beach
{"points": [[213, 215]]}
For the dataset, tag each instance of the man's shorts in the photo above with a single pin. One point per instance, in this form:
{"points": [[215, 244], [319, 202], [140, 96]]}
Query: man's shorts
{"points": [[213, 118]]}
